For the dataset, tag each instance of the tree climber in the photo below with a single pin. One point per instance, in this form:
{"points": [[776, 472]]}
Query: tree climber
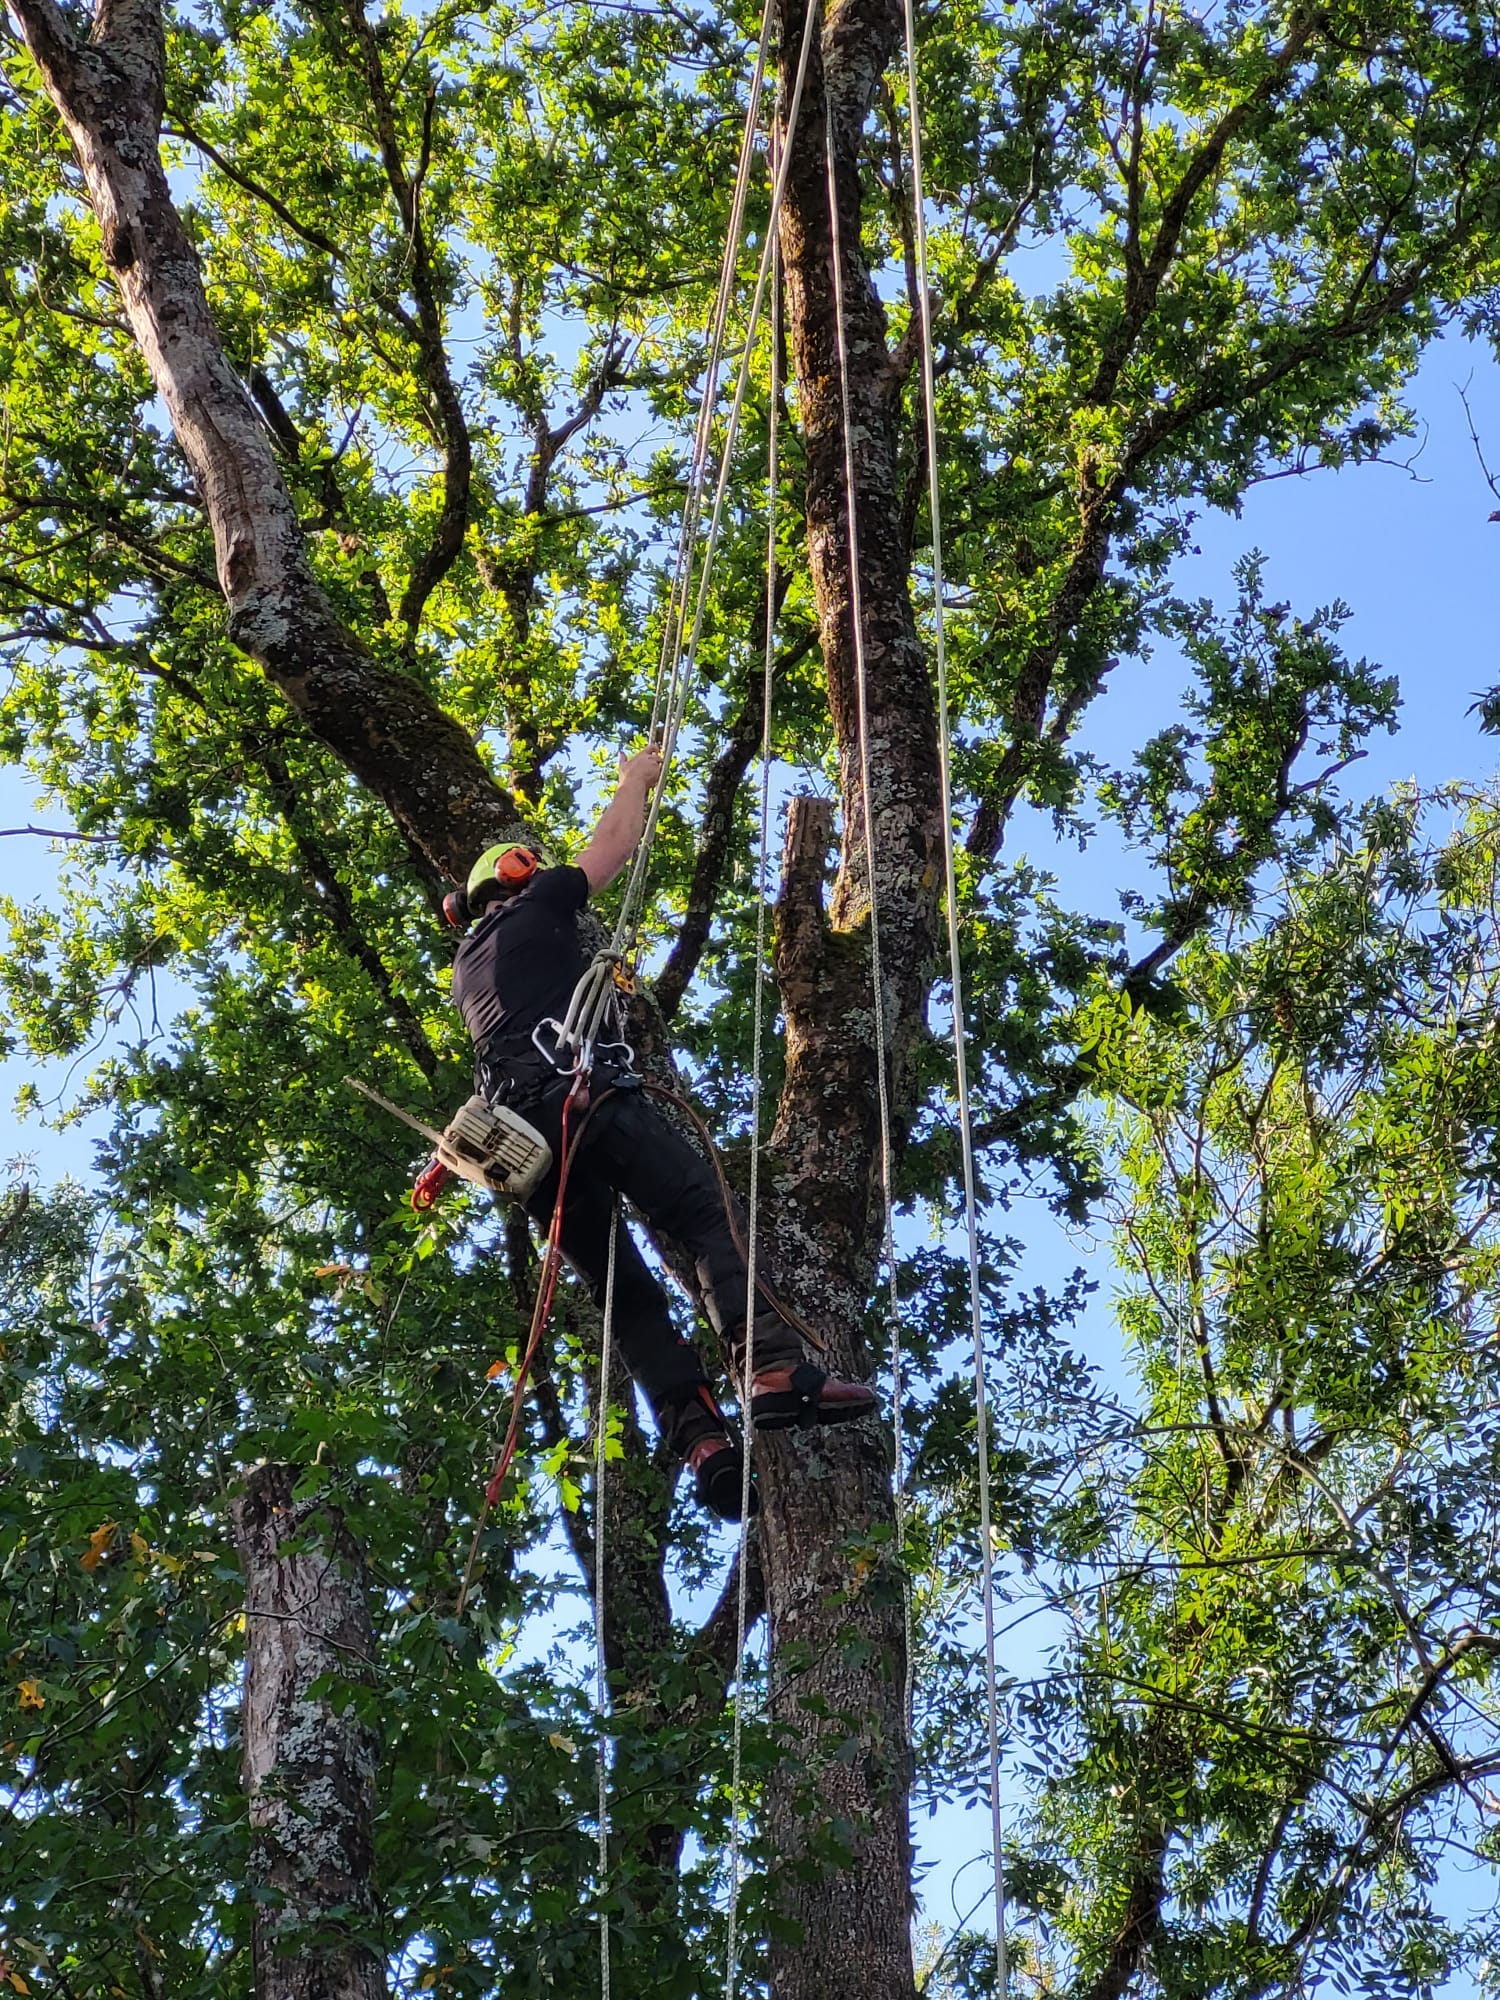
{"points": [[516, 970]]}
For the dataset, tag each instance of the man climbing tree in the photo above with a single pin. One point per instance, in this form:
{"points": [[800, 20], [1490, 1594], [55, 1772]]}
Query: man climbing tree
{"points": [[513, 978], [350, 361]]}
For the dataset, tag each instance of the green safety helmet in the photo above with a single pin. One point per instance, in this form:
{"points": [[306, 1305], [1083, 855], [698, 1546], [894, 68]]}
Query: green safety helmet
{"points": [[501, 870]]}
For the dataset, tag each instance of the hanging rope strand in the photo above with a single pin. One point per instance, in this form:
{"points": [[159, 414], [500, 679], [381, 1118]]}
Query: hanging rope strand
{"points": [[752, 1229], [882, 1083], [601, 1674], [703, 432], [634, 896], [955, 967]]}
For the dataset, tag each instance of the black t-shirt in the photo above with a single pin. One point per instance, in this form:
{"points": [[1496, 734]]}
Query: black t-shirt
{"points": [[521, 961]]}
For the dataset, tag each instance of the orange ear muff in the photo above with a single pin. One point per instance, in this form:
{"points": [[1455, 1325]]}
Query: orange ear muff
{"points": [[515, 866]]}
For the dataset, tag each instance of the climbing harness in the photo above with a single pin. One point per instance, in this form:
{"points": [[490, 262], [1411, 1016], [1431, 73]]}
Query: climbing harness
{"points": [[955, 970]]}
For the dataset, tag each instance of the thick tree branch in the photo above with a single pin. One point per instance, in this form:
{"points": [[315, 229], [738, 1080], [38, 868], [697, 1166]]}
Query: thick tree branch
{"points": [[1128, 1948], [384, 726], [1144, 276]]}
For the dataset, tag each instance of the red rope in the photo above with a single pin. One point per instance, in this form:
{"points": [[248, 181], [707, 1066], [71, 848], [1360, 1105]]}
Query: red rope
{"points": [[541, 1314]]}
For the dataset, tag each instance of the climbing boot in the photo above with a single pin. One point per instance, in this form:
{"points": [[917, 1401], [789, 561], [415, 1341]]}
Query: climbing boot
{"points": [[698, 1431], [802, 1397]]}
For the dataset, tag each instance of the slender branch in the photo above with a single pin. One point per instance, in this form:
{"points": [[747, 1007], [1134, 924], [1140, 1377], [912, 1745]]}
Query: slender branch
{"points": [[58, 833], [333, 900], [458, 458], [714, 1646], [716, 836], [513, 576], [179, 128]]}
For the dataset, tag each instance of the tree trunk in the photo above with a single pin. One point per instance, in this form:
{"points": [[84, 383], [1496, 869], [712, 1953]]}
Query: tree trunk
{"points": [[838, 1810], [309, 1761]]}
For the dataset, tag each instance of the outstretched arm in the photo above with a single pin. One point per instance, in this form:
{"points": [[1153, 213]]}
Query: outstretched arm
{"points": [[623, 820]]}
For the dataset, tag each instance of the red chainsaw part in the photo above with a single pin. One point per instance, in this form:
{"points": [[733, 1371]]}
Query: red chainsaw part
{"points": [[429, 1185]]}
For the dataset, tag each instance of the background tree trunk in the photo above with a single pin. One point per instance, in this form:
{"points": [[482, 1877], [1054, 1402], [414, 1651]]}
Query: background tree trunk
{"points": [[309, 1759]]}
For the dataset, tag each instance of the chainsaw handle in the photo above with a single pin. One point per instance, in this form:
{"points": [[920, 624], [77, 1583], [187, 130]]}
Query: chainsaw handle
{"points": [[429, 1186]]}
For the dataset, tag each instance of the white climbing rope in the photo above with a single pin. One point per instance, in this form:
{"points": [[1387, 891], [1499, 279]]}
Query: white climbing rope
{"points": [[960, 1045], [877, 974], [601, 1669], [703, 433], [680, 679], [752, 1226]]}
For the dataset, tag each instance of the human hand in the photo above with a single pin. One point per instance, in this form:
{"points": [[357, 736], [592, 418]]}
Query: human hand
{"points": [[642, 770]]}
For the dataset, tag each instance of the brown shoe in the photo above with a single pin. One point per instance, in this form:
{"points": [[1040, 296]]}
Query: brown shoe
{"points": [[801, 1397]]}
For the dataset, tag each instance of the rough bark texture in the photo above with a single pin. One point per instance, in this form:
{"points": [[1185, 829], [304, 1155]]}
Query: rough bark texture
{"points": [[838, 1811], [309, 1761], [382, 724]]}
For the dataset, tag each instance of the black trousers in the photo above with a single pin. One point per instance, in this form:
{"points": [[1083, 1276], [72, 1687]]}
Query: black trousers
{"points": [[627, 1148]]}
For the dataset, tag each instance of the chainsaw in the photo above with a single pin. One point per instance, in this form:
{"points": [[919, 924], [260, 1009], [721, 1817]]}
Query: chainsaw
{"points": [[485, 1143]]}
